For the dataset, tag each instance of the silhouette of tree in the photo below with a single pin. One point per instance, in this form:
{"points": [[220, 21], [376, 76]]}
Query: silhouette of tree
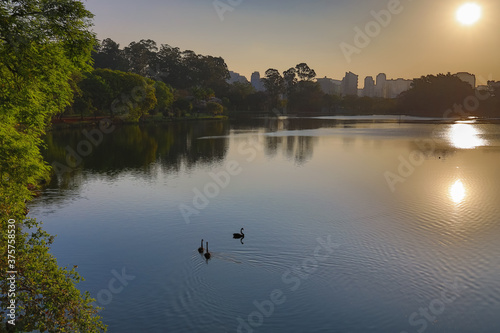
{"points": [[275, 86], [141, 57], [433, 95], [109, 55], [308, 97], [290, 77], [304, 72]]}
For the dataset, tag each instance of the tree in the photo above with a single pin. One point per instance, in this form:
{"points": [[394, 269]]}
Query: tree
{"points": [[215, 108], [42, 44], [308, 97], [182, 107], [164, 97], [434, 95], [213, 74], [129, 95], [96, 95], [141, 57], [275, 86], [304, 95], [109, 55], [180, 69], [290, 78], [238, 95], [169, 65], [304, 72]]}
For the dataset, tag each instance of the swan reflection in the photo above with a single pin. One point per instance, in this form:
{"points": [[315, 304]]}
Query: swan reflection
{"points": [[457, 192], [465, 136]]}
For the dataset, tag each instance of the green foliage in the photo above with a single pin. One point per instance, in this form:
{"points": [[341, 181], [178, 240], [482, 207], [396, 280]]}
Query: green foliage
{"points": [[47, 297], [179, 69], [215, 108], [95, 94], [182, 107], [43, 45], [118, 93], [164, 97], [141, 56], [239, 96], [109, 55], [201, 94]]}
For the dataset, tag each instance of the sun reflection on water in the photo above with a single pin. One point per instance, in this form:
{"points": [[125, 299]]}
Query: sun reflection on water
{"points": [[465, 136], [457, 192]]}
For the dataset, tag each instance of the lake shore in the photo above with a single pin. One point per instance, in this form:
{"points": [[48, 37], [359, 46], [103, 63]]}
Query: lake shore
{"points": [[73, 122]]}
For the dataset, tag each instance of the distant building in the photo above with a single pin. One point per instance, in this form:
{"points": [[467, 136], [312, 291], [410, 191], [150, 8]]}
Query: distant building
{"points": [[396, 87], [257, 82], [467, 77], [390, 88], [235, 77], [489, 89], [350, 84], [330, 86], [381, 85], [369, 89], [494, 86]]}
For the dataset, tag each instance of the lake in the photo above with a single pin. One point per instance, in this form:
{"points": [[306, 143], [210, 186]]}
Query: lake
{"points": [[352, 224]]}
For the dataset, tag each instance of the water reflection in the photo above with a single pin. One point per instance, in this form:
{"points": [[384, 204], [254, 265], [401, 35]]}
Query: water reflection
{"points": [[465, 136], [397, 249], [457, 192], [140, 149]]}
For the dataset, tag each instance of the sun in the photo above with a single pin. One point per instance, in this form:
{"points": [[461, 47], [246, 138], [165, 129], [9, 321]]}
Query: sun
{"points": [[469, 13]]}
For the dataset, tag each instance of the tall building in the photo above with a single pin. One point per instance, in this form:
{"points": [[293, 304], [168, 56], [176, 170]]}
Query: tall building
{"points": [[369, 89], [396, 87], [381, 86], [257, 82], [235, 77], [330, 86], [390, 88], [467, 77], [350, 84]]}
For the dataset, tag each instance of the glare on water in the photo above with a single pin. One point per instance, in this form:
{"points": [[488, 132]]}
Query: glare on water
{"points": [[457, 192], [465, 136]]}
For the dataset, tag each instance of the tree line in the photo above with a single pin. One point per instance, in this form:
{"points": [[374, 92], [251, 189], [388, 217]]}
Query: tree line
{"points": [[446, 95], [146, 79], [195, 79]]}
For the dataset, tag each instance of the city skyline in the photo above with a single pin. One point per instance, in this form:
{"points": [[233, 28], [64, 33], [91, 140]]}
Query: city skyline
{"points": [[332, 37], [350, 84]]}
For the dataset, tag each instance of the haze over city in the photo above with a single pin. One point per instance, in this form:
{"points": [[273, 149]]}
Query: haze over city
{"points": [[423, 37]]}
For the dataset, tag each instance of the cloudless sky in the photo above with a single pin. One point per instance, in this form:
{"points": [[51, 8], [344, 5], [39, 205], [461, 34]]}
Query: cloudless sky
{"points": [[255, 35]]}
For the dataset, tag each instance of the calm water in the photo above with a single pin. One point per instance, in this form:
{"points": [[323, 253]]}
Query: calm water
{"points": [[351, 225]]}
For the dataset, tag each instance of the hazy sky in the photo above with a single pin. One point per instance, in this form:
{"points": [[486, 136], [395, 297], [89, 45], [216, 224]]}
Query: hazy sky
{"points": [[421, 37]]}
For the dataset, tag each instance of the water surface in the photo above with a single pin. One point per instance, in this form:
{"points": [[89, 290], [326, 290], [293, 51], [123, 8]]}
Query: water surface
{"points": [[351, 225]]}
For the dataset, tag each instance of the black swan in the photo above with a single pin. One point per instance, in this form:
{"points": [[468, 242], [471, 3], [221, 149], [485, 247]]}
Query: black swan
{"points": [[200, 249], [240, 235], [207, 254]]}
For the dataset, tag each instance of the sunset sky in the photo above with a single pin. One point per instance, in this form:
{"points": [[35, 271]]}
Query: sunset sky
{"points": [[424, 37]]}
